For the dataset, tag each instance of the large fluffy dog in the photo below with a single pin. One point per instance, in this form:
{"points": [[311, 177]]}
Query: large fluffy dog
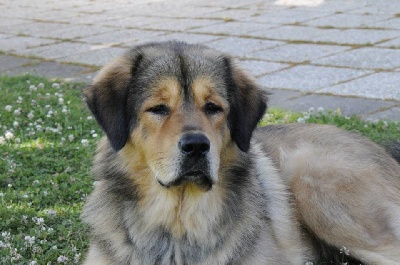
{"points": [[184, 177]]}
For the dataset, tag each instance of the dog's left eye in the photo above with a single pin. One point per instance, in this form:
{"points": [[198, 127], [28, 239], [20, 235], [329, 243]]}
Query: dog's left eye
{"points": [[161, 110], [211, 108]]}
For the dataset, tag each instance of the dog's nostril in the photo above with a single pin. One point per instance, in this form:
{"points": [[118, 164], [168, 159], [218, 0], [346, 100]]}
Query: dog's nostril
{"points": [[194, 144]]}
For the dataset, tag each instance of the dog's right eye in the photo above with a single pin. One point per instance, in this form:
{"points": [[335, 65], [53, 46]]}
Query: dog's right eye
{"points": [[161, 110]]}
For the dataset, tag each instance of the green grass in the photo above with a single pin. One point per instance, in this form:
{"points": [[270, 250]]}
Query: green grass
{"points": [[47, 139]]}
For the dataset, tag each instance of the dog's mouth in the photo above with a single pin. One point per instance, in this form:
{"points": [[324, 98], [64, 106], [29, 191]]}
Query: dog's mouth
{"points": [[198, 178]]}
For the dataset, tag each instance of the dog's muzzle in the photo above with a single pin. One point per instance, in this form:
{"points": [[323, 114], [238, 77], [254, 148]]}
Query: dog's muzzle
{"points": [[195, 168]]}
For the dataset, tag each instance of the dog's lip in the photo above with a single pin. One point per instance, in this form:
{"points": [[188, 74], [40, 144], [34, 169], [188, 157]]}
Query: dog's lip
{"points": [[197, 177]]}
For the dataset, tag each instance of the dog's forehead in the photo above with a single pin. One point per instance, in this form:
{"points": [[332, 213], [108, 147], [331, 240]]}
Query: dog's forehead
{"points": [[190, 65]]}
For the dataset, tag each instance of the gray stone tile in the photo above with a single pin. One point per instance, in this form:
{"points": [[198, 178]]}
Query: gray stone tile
{"points": [[258, 68], [347, 105], [73, 31], [382, 85], [7, 21], [242, 47], [52, 70], [359, 36], [298, 52], [5, 36], [10, 62], [231, 28], [393, 23], [121, 36], [380, 7], [97, 57], [58, 50], [348, 20], [368, 58], [395, 43], [33, 28], [180, 24], [288, 16], [189, 38], [128, 22], [17, 44], [309, 78], [392, 114], [278, 98], [294, 33]]}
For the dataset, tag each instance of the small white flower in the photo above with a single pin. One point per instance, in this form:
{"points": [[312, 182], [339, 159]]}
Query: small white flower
{"points": [[15, 124], [85, 142], [51, 212], [25, 196], [18, 140], [9, 135], [33, 262], [19, 100], [41, 85], [9, 185], [32, 88], [94, 135], [344, 250], [71, 137], [2, 140], [301, 120], [45, 193], [1, 194], [62, 259], [8, 108], [89, 118], [320, 109], [55, 85], [30, 115], [30, 240], [17, 112], [60, 101]]}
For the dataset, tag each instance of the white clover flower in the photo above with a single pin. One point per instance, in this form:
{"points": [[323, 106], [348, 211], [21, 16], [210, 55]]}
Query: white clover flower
{"points": [[47, 106], [2, 140], [89, 118], [45, 193], [6, 235], [9, 185], [32, 88], [62, 259], [15, 124], [1, 194], [55, 85], [40, 85], [18, 140], [311, 110], [71, 137], [320, 109], [30, 240], [33, 262], [25, 196], [19, 100], [94, 135], [30, 115], [77, 257], [60, 101], [50, 230], [8, 108], [38, 220], [51, 212], [9, 135], [17, 112], [85, 142], [301, 120]]}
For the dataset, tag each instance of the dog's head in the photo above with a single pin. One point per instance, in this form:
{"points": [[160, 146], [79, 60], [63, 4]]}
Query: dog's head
{"points": [[178, 107]]}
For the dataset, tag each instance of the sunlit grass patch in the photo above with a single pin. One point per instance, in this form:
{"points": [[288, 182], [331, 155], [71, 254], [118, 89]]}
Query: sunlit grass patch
{"points": [[47, 138]]}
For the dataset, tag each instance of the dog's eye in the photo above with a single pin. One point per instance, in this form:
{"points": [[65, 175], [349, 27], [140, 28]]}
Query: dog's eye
{"points": [[211, 108], [161, 110]]}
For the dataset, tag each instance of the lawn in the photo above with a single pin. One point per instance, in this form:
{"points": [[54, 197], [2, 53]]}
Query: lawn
{"points": [[47, 139]]}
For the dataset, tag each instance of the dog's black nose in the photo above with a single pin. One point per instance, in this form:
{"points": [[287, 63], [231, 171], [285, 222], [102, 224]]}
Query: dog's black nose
{"points": [[194, 144]]}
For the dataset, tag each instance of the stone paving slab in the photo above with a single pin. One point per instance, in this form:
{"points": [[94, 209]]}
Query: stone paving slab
{"points": [[242, 46], [380, 85], [349, 21], [96, 57], [17, 44], [308, 78], [391, 114], [259, 68], [290, 52], [58, 50], [10, 62], [368, 58], [347, 106]]}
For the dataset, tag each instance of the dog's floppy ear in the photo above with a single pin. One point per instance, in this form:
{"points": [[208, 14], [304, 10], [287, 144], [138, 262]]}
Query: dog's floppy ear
{"points": [[248, 104], [107, 98]]}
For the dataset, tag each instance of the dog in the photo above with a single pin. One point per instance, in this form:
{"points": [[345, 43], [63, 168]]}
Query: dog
{"points": [[185, 177]]}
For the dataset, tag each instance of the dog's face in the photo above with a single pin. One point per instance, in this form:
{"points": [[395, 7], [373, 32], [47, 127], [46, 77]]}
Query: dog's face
{"points": [[176, 109]]}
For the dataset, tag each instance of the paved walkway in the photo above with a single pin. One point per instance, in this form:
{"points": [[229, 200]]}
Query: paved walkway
{"points": [[311, 53]]}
